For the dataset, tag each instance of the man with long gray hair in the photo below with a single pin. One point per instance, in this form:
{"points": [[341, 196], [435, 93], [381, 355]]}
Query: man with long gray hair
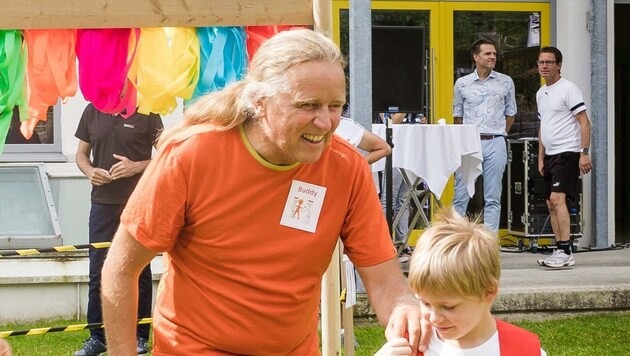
{"points": [[246, 199]]}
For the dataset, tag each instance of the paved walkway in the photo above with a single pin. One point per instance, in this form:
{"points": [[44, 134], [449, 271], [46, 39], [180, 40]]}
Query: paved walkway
{"points": [[599, 280]]}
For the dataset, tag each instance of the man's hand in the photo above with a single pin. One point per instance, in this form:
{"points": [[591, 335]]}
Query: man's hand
{"points": [[5, 349], [541, 167], [406, 322], [125, 168], [99, 176], [585, 163], [396, 347]]}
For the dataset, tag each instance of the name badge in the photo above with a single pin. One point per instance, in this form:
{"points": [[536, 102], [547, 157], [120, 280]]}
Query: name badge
{"points": [[303, 206]]}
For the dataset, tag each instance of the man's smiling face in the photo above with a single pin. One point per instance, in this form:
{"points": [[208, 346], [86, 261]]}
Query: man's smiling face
{"points": [[297, 126]]}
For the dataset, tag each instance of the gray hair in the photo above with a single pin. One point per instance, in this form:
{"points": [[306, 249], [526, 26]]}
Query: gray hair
{"points": [[266, 77]]}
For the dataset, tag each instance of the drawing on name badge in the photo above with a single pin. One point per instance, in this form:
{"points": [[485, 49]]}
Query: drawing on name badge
{"points": [[297, 207], [302, 211], [307, 211]]}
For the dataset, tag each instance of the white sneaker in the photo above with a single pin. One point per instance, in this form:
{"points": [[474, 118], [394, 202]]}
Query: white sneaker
{"points": [[541, 261], [558, 259]]}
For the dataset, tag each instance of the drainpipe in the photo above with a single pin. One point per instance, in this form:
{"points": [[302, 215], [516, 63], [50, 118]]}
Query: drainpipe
{"points": [[599, 129], [361, 66]]}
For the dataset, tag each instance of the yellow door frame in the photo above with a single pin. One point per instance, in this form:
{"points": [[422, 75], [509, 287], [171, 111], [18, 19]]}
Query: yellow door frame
{"points": [[441, 34]]}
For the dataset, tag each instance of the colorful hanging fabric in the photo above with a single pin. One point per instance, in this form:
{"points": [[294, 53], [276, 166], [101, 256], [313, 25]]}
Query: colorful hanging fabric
{"points": [[13, 59], [51, 72], [223, 57], [166, 66], [256, 35], [105, 56]]}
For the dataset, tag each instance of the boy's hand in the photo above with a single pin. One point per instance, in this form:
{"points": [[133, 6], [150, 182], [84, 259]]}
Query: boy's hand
{"points": [[396, 347]]}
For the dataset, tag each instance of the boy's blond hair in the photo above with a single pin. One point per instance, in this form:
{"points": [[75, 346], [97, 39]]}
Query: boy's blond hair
{"points": [[456, 257]]}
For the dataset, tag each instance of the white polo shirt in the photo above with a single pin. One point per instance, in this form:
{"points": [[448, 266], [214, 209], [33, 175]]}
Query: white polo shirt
{"points": [[558, 105]]}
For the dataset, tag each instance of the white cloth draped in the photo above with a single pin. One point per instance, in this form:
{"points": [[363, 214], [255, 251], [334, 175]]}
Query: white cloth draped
{"points": [[434, 153]]}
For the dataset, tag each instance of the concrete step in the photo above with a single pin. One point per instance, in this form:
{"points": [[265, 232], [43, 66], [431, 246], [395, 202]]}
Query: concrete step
{"points": [[599, 282]]}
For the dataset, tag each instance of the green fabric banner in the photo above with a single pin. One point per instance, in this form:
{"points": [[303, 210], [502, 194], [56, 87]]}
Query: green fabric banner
{"points": [[12, 80]]}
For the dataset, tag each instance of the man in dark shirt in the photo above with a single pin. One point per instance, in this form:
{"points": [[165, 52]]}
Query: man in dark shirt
{"points": [[121, 150]]}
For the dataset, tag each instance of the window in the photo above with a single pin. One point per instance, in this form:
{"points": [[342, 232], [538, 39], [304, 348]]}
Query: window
{"points": [[44, 146], [28, 218]]}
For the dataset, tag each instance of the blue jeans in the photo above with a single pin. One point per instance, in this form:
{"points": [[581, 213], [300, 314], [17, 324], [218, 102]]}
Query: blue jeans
{"points": [[494, 162], [104, 221]]}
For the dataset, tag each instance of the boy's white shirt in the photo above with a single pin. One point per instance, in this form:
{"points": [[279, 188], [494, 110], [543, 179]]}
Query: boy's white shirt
{"points": [[491, 347]]}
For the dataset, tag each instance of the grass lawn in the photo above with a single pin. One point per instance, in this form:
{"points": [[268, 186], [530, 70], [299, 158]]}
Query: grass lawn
{"points": [[586, 335], [52, 344], [606, 334]]}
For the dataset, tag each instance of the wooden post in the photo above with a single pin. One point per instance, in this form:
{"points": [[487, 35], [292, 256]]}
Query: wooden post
{"points": [[330, 306], [330, 311], [347, 317], [348, 328]]}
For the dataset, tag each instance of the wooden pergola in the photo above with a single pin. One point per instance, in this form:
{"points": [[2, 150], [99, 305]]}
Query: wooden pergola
{"points": [[46, 14], [75, 14]]}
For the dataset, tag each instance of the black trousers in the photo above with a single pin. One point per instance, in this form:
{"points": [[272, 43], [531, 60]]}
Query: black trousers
{"points": [[104, 221]]}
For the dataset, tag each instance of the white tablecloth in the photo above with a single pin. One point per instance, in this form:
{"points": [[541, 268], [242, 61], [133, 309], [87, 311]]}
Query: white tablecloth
{"points": [[434, 153]]}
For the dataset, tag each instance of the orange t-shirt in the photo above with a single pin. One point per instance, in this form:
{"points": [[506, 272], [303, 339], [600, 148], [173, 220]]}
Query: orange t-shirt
{"points": [[236, 281]]}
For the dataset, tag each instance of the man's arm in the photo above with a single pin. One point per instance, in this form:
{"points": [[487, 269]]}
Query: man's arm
{"points": [[585, 136], [394, 302], [375, 147], [97, 176], [509, 120], [458, 104], [510, 106], [125, 260]]}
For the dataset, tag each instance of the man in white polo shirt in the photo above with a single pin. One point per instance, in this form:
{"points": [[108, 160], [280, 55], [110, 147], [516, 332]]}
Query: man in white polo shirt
{"points": [[563, 149]]}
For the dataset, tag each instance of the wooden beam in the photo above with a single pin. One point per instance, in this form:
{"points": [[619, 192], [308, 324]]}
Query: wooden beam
{"points": [[44, 14]]}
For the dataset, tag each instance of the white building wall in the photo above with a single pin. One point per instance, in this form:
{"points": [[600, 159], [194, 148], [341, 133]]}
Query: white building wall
{"points": [[49, 288], [610, 23], [573, 39]]}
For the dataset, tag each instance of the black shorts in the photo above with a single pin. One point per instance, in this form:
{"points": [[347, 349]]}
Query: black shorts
{"points": [[562, 174]]}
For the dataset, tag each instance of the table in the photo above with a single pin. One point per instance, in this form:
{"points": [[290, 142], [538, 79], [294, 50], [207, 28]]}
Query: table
{"points": [[432, 153]]}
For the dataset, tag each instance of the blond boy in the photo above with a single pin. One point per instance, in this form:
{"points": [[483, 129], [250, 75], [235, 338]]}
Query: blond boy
{"points": [[455, 272]]}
